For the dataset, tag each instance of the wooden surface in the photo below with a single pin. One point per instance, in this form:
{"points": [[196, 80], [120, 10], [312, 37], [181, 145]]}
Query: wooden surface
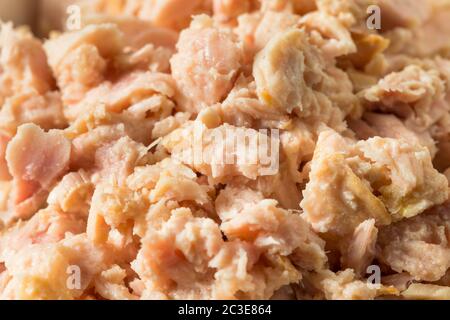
{"points": [[21, 12], [41, 15]]}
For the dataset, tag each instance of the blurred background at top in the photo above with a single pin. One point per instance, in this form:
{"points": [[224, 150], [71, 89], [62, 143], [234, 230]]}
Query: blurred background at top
{"points": [[41, 16]]}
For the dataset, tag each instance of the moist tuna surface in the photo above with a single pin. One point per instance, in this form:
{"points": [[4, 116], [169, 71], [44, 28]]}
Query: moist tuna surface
{"points": [[133, 152]]}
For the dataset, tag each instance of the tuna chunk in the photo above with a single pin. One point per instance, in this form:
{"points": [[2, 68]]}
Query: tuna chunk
{"points": [[242, 108], [361, 248], [60, 46], [281, 67], [118, 159], [79, 59], [53, 264], [224, 152], [421, 291], [247, 216], [389, 126], [44, 110], [329, 34], [49, 225], [72, 193], [419, 245], [206, 64], [123, 93], [344, 286], [414, 184], [178, 255], [413, 93], [291, 76], [111, 284], [23, 61], [83, 68], [347, 206], [268, 26], [362, 170], [43, 281], [191, 250], [37, 157]]}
